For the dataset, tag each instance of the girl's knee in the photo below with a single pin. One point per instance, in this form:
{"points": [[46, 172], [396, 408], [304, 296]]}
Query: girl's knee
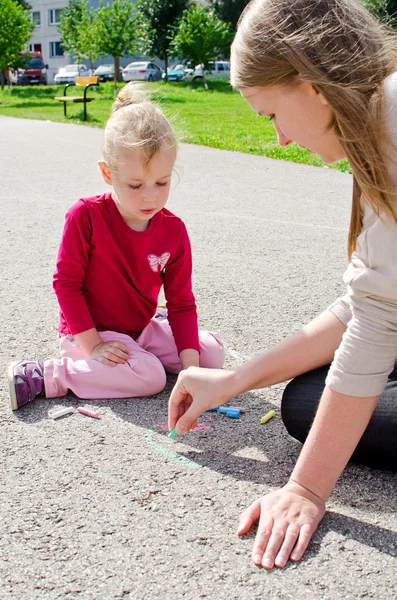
{"points": [[212, 350], [149, 375]]}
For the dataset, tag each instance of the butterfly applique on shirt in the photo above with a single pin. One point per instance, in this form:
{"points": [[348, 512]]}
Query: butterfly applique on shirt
{"points": [[157, 263]]}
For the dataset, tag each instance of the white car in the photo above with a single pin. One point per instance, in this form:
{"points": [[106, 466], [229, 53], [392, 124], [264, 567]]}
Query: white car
{"points": [[69, 73], [142, 71], [217, 69]]}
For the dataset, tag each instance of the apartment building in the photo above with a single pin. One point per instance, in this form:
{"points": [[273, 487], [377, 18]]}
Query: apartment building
{"points": [[45, 38]]}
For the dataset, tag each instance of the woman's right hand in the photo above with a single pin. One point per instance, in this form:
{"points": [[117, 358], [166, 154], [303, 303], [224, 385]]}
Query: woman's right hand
{"points": [[197, 390], [110, 353]]}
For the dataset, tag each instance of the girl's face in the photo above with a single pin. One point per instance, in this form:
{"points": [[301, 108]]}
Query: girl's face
{"points": [[139, 191], [299, 114]]}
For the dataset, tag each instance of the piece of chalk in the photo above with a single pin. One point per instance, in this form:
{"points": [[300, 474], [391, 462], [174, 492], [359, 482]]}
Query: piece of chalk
{"points": [[172, 433], [241, 409], [233, 413], [268, 416], [61, 413], [89, 413], [212, 409]]}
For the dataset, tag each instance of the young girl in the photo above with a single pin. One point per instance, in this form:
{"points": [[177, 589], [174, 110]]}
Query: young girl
{"points": [[323, 72], [117, 251]]}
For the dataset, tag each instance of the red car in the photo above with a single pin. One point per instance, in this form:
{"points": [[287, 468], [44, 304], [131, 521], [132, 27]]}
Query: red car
{"points": [[33, 71]]}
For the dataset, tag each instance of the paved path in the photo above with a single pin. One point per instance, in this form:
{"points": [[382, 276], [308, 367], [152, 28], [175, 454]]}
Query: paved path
{"points": [[112, 509]]}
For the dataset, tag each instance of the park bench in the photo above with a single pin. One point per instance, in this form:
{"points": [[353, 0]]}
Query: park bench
{"points": [[87, 82]]}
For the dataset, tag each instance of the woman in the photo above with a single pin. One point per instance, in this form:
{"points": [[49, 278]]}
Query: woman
{"points": [[323, 72]]}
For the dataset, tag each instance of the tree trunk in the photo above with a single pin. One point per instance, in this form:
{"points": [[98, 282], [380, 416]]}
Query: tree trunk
{"points": [[204, 79], [116, 62], [166, 66]]}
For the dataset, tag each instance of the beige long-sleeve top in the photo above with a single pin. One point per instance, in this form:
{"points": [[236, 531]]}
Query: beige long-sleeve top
{"points": [[368, 349]]}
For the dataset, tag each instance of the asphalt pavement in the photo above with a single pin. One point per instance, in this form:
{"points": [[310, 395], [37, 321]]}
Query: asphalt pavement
{"points": [[111, 509]]}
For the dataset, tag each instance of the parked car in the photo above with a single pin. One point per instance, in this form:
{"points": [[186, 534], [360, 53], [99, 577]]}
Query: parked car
{"points": [[175, 73], [142, 71], [217, 69], [33, 70], [106, 72], [69, 73]]}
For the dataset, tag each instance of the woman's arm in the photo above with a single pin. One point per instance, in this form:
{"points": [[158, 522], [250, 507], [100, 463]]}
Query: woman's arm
{"points": [[198, 390], [289, 517], [311, 347]]}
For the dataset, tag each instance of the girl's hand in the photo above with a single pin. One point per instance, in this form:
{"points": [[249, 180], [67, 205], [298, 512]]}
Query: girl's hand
{"points": [[197, 390], [111, 353], [287, 520]]}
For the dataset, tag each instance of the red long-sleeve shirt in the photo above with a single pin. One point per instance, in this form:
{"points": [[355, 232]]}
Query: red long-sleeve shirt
{"points": [[109, 276]]}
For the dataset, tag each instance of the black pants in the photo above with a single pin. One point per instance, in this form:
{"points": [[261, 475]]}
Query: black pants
{"points": [[378, 445]]}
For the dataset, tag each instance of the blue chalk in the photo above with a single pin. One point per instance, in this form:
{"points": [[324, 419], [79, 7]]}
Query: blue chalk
{"points": [[223, 409], [233, 413], [212, 409]]}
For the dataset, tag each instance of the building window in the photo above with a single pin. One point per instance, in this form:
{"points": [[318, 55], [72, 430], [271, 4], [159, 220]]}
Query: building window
{"points": [[56, 49], [54, 16], [36, 19]]}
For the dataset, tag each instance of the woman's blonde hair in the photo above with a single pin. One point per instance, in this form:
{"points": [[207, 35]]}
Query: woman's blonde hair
{"points": [[135, 124], [346, 54]]}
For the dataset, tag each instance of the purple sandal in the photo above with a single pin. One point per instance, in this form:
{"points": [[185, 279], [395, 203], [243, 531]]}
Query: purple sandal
{"points": [[26, 381]]}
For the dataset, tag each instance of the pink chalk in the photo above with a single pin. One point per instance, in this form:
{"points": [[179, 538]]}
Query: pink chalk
{"points": [[89, 413]]}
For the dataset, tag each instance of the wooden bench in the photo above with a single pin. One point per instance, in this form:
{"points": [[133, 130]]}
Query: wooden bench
{"points": [[87, 82]]}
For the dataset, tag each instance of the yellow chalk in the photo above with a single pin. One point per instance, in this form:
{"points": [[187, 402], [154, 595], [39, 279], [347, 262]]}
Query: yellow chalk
{"points": [[268, 416]]}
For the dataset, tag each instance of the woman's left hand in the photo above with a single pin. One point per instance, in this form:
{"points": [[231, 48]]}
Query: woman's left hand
{"points": [[287, 520]]}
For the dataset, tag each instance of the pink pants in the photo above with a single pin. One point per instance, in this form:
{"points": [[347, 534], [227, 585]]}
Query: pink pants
{"points": [[151, 355]]}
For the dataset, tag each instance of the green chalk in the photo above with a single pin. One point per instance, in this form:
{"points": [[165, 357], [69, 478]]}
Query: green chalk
{"points": [[172, 433]]}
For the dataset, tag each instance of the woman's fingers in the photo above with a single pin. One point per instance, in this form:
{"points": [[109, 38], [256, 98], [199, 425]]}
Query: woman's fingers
{"points": [[305, 535], [248, 517], [261, 542], [284, 554], [273, 545], [177, 400], [287, 520]]}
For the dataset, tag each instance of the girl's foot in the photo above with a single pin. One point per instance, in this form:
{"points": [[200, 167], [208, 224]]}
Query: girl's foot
{"points": [[26, 381]]}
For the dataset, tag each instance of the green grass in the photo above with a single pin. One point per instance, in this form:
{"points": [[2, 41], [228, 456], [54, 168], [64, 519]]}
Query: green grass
{"points": [[217, 117]]}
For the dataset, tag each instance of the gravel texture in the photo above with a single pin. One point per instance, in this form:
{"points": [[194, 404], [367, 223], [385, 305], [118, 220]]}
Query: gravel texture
{"points": [[111, 509]]}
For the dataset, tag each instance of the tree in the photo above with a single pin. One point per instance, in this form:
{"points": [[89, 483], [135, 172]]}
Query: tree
{"points": [[119, 31], [377, 8], [15, 30], [161, 19], [24, 4], [201, 37], [391, 8], [77, 28], [229, 10]]}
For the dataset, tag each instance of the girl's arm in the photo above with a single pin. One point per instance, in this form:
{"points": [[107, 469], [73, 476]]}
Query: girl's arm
{"points": [[189, 358], [312, 347], [181, 304], [289, 517], [88, 340]]}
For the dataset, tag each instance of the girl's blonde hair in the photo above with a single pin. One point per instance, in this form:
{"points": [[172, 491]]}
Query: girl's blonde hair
{"points": [[346, 54], [137, 124]]}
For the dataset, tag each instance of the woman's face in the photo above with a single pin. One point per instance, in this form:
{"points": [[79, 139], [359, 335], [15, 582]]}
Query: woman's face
{"points": [[299, 114]]}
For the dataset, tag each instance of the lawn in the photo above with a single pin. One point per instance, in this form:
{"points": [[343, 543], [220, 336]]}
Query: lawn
{"points": [[219, 117]]}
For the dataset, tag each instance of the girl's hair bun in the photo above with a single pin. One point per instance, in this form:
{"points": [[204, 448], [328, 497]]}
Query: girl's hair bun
{"points": [[132, 93]]}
